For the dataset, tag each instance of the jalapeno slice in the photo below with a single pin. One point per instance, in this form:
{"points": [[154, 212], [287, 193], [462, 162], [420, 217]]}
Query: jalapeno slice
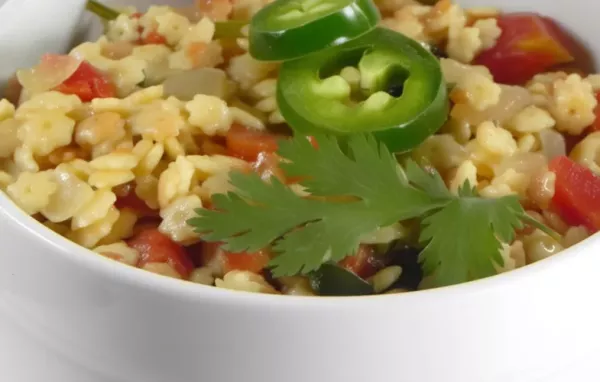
{"points": [[287, 29], [400, 97]]}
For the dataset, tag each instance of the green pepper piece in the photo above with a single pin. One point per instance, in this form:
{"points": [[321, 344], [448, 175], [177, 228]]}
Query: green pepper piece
{"points": [[288, 29], [406, 97], [333, 280]]}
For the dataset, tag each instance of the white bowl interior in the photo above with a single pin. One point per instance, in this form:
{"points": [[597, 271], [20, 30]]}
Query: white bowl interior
{"points": [[99, 313]]}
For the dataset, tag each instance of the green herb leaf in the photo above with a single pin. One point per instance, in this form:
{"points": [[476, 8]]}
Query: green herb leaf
{"points": [[354, 191], [309, 232], [465, 237]]}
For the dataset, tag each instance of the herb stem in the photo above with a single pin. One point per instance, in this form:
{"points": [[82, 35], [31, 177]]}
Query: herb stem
{"points": [[223, 29], [101, 10], [542, 227]]}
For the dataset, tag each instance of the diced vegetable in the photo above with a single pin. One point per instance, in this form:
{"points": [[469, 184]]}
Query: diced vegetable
{"points": [[577, 193], [247, 144], [155, 247], [312, 105], [207, 81], [52, 71], [127, 198], [208, 253], [288, 29], [244, 261], [88, 83], [364, 263], [333, 280], [101, 10], [512, 100], [529, 44], [153, 38]]}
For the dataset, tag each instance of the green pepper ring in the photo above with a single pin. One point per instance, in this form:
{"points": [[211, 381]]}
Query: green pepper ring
{"points": [[274, 39], [401, 125]]}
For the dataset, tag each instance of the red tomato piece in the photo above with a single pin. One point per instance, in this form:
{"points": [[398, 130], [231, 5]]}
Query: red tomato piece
{"points": [[247, 144], [154, 38], [88, 83], [155, 247], [127, 198], [206, 254], [577, 193], [245, 261], [267, 165], [363, 263], [596, 125], [529, 44], [313, 142]]}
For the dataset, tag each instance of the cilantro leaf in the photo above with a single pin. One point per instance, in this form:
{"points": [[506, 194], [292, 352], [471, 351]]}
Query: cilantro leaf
{"points": [[464, 237], [307, 232], [354, 191], [430, 183]]}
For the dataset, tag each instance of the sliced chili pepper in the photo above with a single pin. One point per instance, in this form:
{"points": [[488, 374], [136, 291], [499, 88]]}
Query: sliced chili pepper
{"points": [[287, 29], [313, 99]]}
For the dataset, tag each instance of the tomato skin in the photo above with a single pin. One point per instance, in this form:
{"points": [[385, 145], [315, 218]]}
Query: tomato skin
{"points": [[244, 261], [577, 193], [155, 247], [229, 261], [127, 198], [267, 166], [153, 38], [88, 83], [529, 44], [247, 144], [596, 125], [363, 263]]}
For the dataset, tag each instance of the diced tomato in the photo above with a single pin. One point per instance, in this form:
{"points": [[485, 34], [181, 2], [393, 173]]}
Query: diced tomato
{"points": [[529, 44], [363, 263], [207, 253], [596, 125], [313, 142], [137, 15], [127, 198], [88, 83], [153, 38], [247, 144], [577, 193], [267, 165], [155, 247], [244, 261]]}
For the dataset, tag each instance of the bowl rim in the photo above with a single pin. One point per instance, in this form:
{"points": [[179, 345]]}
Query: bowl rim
{"points": [[181, 289]]}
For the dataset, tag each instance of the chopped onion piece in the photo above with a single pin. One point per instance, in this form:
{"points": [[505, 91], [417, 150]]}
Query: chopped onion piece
{"points": [[523, 163], [553, 144], [207, 81], [52, 71], [512, 100]]}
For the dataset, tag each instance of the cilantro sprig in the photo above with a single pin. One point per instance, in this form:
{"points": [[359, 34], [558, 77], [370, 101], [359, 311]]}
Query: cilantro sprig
{"points": [[354, 190]]}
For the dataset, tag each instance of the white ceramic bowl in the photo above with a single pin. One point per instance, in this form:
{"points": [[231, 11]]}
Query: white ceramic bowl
{"points": [[99, 321], [29, 27]]}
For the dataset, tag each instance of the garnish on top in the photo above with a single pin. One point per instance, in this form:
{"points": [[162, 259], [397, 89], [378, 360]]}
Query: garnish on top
{"points": [[354, 190]]}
